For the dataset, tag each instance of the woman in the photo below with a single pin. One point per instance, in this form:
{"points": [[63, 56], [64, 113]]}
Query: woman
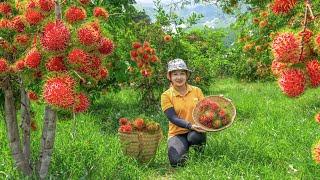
{"points": [[178, 103]]}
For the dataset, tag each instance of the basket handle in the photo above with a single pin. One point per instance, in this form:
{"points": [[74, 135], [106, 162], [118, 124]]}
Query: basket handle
{"points": [[221, 95]]}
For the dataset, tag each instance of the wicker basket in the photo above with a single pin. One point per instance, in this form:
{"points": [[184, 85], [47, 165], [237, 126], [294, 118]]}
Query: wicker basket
{"points": [[224, 103], [140, 145]]}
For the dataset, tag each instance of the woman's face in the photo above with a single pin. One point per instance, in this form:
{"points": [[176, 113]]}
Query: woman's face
{"points": [[178, 78]]}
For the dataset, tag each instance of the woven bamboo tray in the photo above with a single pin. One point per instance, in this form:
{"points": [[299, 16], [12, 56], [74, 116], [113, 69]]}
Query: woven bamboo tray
{"points": [[140, 145], [224, 103]]}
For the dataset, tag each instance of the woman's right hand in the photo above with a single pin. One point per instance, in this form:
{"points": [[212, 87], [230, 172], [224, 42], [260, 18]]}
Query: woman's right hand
{"points": [[197, 128]]}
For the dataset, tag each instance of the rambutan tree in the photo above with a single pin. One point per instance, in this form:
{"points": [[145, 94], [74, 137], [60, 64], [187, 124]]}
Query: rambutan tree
{"points": [[58, 49]]}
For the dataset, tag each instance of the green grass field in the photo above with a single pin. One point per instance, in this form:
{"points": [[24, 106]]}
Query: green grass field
{"points": [[271, 139]]}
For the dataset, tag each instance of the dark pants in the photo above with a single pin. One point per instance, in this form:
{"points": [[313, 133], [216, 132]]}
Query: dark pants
{"points": [[178, 146]]}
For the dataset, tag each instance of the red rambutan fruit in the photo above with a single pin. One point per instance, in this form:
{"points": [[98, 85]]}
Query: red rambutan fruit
{"points": [[136, 45], [106, 46], [103, 73], [33, 59], [78, 57], [154, 58], [5, 24], [84, 2], [3, 66], [139, 124], [100, 12], [123, 121], [82, 103], [33, 17], [19, 65], [46, 5], [59, 92], [133, 54], [87, 35], [283, 6], [55, 64], [18, 23], [125, 128], [32, 96], [286, 48], [307, 34], [316, 153], [75, 14], [313, 70], [55, 36], [277, 67], [317, 118], [292, 82], [22, 39], [167, 38], [5, 8]]}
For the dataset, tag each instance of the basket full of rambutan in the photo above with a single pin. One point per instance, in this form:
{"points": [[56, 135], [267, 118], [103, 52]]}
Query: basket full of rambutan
{"points": [[214, 113], [139, 138]]}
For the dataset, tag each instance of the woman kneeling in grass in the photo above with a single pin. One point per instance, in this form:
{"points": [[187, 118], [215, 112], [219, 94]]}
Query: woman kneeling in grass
{"points": [[178, 103]]}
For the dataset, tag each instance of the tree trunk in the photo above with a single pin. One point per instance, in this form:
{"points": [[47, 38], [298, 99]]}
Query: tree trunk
{"points": [[47, 141], [49, 126], [13, 131], [25, 123]]}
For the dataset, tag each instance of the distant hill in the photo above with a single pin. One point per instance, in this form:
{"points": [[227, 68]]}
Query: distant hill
{"points": [[213, 15]]}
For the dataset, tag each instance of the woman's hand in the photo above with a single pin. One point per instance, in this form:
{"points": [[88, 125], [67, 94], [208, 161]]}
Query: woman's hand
{"points": [[197, 128]]}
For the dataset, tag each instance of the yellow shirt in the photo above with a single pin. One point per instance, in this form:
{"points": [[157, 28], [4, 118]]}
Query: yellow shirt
{"points": [[183, 105]]}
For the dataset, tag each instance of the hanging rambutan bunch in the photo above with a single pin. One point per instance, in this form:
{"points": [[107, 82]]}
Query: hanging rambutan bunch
{"points": [[286, 48], [34, 17], [21, 39], [59, 92], [55, 36], [146, 72], [292, 82], [33, 59], [31, 4], [3, 66], [81, 103], [105, 46], [75, 14], [101, 12], [18, 23], [5, 8], [78, 57], [88, 36], [32, 96], [55, 64], [316, 152], [278, 67], [283, 6], [46, 5], [313, 70]]}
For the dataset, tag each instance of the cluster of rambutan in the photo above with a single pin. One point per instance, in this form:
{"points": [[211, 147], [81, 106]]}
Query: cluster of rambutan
{"points": [[144, 56], [212, 115], [57, 52], [283, 6], [291, 64], [138, 125]]}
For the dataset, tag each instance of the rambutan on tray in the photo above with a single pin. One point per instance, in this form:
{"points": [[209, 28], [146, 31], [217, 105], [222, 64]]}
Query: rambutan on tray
{"points": [[221, 117]]}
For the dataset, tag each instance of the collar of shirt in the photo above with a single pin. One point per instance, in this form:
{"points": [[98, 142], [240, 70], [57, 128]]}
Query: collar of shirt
{"points": [[176, 93]]}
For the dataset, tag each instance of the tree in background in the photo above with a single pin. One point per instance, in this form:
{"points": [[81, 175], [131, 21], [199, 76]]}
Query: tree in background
{"points": [[56, 49]]}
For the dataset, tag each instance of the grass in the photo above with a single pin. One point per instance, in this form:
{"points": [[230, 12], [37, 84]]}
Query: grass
{"points": [[270, 139]]}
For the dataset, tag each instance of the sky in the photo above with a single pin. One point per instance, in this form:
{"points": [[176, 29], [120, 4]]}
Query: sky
{"points": [[213, 15]]}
